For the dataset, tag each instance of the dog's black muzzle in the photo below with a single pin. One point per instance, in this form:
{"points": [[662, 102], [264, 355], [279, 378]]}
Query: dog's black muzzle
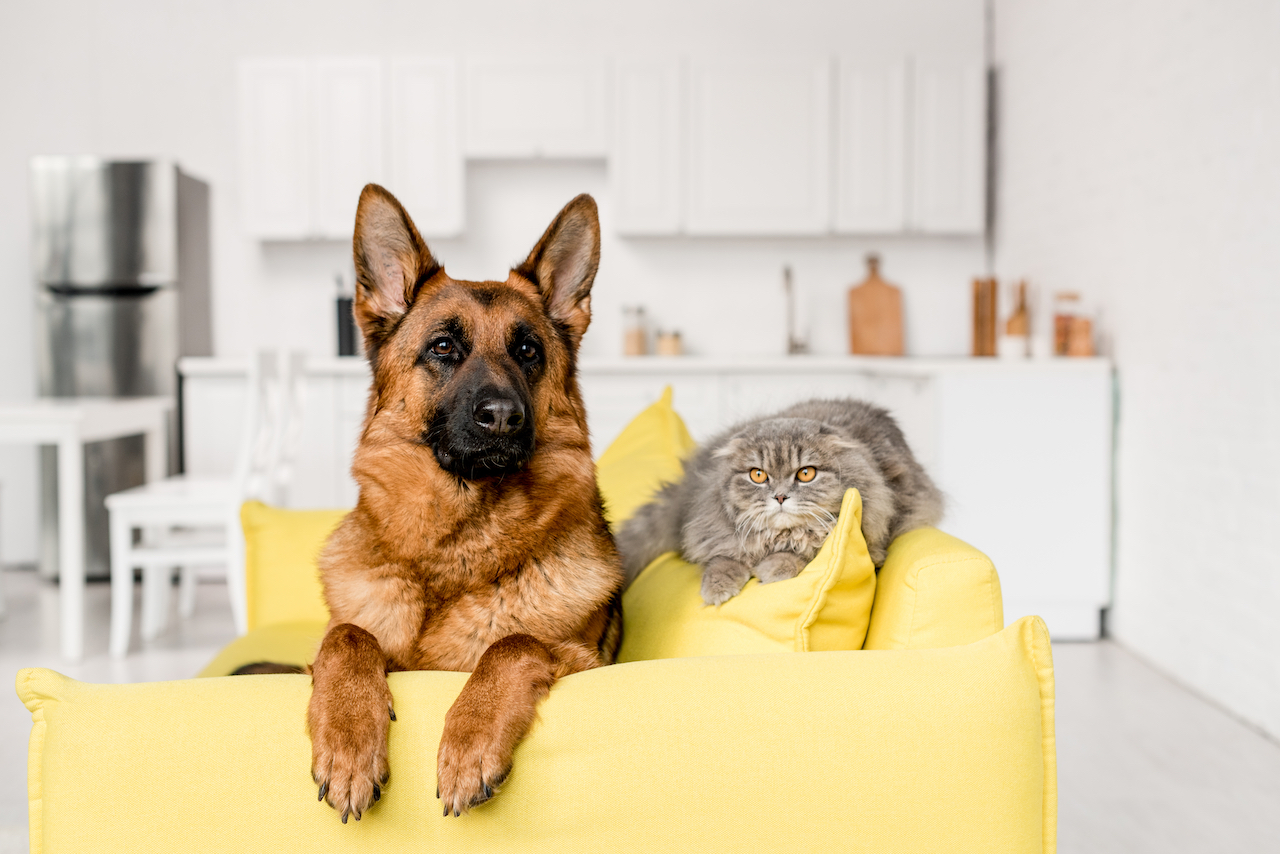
{"points": [[484, 433]]}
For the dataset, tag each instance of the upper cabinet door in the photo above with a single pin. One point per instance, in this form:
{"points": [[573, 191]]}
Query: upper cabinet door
{"points": [[871, 147], [275, 147], [518, 108], [645, 175], [348, 140], [759, 147], [949, 148], [426, 169]]}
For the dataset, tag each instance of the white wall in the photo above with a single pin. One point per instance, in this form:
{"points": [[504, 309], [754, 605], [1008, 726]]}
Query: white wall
{"points": [[1140, 165], [150, 77]]}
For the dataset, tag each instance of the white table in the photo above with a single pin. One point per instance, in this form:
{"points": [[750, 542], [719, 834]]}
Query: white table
{"points": [[68, 423]]}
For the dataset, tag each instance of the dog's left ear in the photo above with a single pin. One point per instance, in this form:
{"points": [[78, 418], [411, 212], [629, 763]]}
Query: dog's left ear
{"points": [[563, 264]]}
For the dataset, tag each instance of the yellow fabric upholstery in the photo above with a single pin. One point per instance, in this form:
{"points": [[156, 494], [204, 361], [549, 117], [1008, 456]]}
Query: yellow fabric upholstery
{"points": [[825, 607], [934, 591], [282, 581], [903, 750], [647, 453], [282, 643]]}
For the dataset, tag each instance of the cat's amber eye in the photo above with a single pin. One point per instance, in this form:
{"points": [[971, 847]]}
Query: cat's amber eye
{"points": [[806, 474], [758, 475]]}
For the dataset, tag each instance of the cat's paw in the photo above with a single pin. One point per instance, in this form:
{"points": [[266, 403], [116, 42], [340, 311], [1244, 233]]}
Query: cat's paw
{"points": [[779, 566], [722, 578]]}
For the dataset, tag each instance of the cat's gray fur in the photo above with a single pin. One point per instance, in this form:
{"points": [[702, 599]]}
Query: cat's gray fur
{"points": [[718, 518]]}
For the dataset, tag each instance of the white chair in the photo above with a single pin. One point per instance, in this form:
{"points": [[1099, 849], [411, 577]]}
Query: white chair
{"points": [[187, 522]]}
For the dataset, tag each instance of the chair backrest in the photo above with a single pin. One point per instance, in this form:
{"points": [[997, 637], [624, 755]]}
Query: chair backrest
{"points": [[272, 426], [262, 406], [289, 426]]}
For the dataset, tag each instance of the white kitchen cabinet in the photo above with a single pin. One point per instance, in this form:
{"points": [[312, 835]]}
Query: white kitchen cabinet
{"points": [[310, 139], [646, 176], [1023, 450], [314, 131], [759, 147], [536, 108], [426, 168], [347, 138], [948, 173], [275, 147], [871, 146]]}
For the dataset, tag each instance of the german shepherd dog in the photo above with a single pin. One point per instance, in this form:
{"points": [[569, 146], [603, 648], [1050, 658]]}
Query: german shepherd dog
{"points": [[478, 541]]}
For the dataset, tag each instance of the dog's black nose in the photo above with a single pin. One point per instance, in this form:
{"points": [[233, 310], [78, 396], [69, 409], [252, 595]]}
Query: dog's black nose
{"points": [[500, 415]]}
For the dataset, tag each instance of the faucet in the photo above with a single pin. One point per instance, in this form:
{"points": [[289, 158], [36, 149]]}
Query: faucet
{"points": [[795, 344]]}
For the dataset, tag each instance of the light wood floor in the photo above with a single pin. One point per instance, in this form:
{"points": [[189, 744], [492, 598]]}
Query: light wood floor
{"points": [[1143, 764]]}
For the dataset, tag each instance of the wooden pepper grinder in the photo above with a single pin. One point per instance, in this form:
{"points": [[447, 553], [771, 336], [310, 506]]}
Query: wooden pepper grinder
{"points": [[875, 315]]}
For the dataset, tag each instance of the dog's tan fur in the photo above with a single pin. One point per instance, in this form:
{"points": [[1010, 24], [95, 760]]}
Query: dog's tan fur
{"points": [[514, 577]]}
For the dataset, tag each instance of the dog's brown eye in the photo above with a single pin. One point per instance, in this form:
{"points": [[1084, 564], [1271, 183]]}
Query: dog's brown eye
{"points": [[806, 474], [759, 475], [443, 347], [527, 352]]}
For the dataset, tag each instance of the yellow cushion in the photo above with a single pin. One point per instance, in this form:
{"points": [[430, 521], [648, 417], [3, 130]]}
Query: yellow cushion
{"points": [[280, 643], [282, 581], [934, 591], [647, 453], [904, 750], [825, 607]]}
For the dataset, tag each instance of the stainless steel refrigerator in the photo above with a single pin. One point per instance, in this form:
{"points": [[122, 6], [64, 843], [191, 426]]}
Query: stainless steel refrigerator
{"points": [[121, 256]]}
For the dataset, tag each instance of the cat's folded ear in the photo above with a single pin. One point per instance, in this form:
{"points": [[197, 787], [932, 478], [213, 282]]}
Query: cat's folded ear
{"points": [[835, 439], [730, 448]]}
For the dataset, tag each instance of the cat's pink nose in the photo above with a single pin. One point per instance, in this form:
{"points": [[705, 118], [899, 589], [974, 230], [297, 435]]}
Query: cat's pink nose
{"points": [[781, 498]]}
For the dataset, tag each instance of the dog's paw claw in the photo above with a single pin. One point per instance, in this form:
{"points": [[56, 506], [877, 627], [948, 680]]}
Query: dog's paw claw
{"points": [[392, 712], [324, 788], [377, 792]]}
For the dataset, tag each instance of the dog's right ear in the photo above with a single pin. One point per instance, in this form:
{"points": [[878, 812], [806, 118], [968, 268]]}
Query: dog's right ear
{"points": [[392, 263]]}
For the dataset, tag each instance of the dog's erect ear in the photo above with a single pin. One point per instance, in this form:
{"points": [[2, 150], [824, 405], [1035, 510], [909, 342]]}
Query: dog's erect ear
{"points": [[392, 261], [563, 264]]}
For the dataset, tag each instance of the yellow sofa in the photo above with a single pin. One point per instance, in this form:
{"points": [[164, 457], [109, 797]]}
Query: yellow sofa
{"points": [[936, 736]]}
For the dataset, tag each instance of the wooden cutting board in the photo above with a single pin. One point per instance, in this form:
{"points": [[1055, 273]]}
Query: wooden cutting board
{"points": [[875, 315]]}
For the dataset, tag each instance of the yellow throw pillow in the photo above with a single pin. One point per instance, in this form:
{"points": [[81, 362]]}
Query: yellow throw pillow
{"points": [[281, 550], [934, 591], [825, 607], [649, 452]]}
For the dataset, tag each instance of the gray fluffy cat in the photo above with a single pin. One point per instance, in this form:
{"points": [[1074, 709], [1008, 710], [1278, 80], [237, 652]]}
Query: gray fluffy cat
{"points": [[760, 498]]}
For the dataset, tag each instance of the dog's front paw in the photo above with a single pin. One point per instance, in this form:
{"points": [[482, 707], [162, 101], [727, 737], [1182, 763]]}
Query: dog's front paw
{"points": [[779, 566], [349, 750], [471, 764], [722, 578]]}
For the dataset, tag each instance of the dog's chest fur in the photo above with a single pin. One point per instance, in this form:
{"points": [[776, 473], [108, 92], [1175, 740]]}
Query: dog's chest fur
{"points": [[459, 566]]}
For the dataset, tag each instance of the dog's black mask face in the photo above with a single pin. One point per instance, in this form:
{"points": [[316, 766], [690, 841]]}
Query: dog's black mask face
{"points": [[483, 423]]}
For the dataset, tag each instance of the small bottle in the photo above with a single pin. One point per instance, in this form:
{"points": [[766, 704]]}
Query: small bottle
{"points": [[1066, 309], [1014, 343], [669, 344], [634, 340]]}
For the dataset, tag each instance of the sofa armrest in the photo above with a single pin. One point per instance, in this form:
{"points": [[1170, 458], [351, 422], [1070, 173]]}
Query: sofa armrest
{"points": [[934, 591], [906, 750]]}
